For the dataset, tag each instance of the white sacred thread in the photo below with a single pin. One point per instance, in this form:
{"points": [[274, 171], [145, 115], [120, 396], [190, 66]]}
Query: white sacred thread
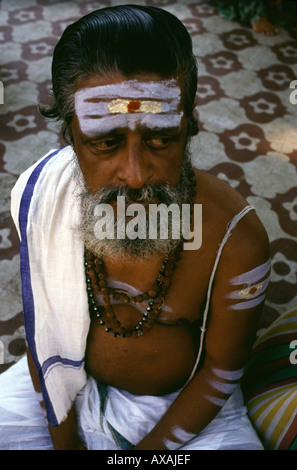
{"points": [[181, 435], [102, 109]]}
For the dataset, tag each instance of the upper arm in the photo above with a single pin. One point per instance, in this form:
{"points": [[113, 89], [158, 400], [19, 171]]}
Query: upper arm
{"points": [[238, 295]]}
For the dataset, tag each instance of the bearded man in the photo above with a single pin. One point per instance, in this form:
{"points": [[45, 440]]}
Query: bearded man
{"points": [[134, 342]]}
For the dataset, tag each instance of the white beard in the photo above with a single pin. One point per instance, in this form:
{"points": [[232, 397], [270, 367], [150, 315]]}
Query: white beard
{"points": [[137, 247]]}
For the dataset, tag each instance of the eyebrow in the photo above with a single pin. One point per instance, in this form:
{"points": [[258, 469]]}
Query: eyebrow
{"points": [[162, 130], [117, 130], [107, 124]]}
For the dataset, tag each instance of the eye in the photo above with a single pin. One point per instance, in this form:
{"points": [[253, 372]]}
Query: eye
{"points": [[159, 142], [106, 143]]}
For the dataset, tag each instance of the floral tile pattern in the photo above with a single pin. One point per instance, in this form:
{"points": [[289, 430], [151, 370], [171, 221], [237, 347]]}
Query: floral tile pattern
{"points": [[248, 128]]}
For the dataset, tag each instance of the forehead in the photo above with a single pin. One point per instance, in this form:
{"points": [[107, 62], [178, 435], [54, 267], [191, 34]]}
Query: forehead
{"points": [[127, 103], [157, 89], [116, 78]]}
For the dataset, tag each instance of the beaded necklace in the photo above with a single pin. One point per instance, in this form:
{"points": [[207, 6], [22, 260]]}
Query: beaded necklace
{"points": [[155, 295]]}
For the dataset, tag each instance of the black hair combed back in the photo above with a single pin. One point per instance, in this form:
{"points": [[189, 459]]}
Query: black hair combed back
{"points": [[135, 39], [128, 39]]}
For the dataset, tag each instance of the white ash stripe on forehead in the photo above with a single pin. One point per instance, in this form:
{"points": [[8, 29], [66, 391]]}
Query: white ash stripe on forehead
{"points": [[162, 90], [95, 106], [253, 275], [121, 106], [93, 127]]}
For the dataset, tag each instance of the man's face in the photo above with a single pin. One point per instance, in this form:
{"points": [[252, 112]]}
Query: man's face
{"points": [[129, 132], [130, 139]]}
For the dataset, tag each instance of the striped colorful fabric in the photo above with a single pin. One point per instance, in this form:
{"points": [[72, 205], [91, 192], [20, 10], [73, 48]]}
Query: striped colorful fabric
{"points": [[270, 384]]}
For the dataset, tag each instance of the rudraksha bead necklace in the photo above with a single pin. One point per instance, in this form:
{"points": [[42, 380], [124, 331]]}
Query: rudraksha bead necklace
{"points": [[155, 296]]}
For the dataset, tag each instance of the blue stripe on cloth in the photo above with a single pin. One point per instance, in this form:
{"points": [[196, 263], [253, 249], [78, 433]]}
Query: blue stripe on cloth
{"points": [[118, 438], [27, 293], [55, 360]]}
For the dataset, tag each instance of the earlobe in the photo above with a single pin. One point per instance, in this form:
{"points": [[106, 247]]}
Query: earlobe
{"points": [[193, 121], [193, 128]]}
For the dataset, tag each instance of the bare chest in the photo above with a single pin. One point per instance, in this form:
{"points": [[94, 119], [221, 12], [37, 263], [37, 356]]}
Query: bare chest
{"points": [[143, 294], [162, 359]]}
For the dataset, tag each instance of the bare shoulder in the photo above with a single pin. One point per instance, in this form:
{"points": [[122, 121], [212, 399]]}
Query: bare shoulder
{"points": [[248, 244], [218, 197]]}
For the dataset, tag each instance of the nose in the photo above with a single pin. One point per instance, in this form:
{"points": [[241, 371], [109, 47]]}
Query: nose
{"points": [[134, 169]]}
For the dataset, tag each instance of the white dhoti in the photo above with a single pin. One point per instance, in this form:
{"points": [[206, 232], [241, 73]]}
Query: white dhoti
{"points": [[110, 419]]}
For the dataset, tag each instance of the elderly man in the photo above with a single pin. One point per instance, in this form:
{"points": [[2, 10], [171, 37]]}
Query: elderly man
{"points": [[134, 341]]}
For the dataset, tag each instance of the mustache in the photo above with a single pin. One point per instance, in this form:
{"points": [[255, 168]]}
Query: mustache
{"points": [[162, 192]]}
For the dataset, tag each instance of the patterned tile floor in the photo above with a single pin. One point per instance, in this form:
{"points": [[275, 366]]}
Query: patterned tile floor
{"points": [[248, 128]]}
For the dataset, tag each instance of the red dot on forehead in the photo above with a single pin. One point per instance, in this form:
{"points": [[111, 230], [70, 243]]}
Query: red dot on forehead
{"points": [[133, 106]]}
